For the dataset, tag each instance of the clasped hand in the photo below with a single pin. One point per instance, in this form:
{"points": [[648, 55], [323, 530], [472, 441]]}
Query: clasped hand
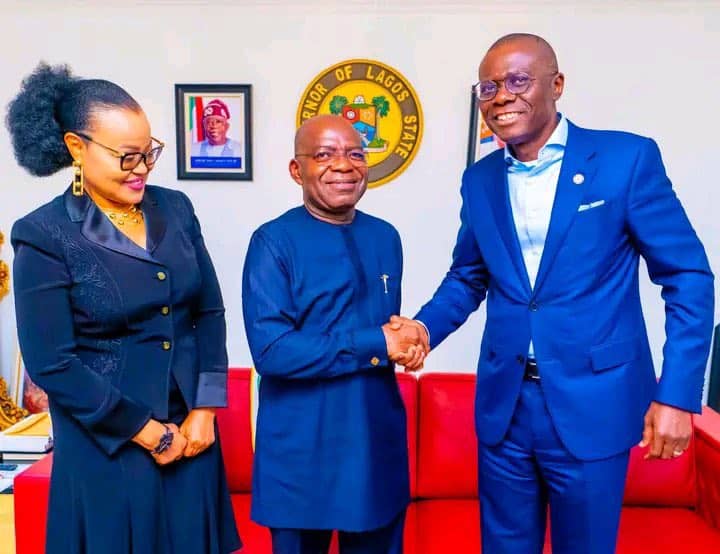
{"points": [[199, 430], [194, 435], [407, 342]]}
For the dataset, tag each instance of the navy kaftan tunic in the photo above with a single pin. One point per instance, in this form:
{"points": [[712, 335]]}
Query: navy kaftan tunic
{"points": [[331, 445]]}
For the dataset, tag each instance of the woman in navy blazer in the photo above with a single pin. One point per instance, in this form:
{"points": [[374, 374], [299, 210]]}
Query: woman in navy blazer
{"points": [[121, 322]]}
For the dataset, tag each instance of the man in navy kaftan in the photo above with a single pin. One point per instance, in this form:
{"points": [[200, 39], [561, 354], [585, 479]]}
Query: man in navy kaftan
{"points": [[320, 282]]}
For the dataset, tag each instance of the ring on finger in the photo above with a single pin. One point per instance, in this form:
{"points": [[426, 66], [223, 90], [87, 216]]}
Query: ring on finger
{"points": [[677, 453]]}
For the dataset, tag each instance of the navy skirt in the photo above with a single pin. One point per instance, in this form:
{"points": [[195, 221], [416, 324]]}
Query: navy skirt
{"points": [[127, 504]]}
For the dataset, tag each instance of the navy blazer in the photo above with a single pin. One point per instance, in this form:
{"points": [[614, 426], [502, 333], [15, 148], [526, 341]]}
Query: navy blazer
{"points": [[614, 203], [104, 324]]}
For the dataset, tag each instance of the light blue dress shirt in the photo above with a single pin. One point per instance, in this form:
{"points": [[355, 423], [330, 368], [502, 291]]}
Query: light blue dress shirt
{"points": [[532, 187]]}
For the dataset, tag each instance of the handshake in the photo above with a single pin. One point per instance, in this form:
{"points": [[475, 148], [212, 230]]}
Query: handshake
{"points": [[407, 342]]}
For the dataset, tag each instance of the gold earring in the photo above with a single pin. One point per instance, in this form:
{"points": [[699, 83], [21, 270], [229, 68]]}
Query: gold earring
{"points": [[78, 186]]}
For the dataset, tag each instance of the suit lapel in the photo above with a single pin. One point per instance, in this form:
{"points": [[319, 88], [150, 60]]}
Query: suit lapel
{"points": [[576, 174], [499, 196], [155, 222], [97, 228]]}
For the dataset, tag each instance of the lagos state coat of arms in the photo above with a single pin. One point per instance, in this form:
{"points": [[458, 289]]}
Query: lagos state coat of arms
{"points": [[380, 103]]}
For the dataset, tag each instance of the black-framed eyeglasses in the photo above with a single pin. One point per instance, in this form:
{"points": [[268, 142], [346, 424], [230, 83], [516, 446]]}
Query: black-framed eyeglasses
{"points": [[130, 160], [326, 156], [515, 83]]}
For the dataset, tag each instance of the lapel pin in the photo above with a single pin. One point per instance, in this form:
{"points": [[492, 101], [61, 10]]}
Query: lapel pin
{"points": [[578, 178]]}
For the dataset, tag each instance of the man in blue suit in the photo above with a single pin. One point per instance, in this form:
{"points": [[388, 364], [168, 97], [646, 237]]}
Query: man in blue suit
{"points": [[552, 229]]}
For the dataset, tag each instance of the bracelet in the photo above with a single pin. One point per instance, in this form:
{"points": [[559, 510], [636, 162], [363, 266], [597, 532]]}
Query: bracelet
{"points": [[164, 442]]}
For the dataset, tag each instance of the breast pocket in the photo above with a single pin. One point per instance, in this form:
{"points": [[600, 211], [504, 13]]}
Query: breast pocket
{"points": [[594, 210], [595, 224]]}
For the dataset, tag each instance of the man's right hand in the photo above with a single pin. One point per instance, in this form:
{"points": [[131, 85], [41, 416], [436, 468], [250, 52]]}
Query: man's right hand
{"points": [[407, 342]]}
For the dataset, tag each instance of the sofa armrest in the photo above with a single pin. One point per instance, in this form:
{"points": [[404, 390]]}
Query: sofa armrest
{"points": [[707, 449], [30, 494]]}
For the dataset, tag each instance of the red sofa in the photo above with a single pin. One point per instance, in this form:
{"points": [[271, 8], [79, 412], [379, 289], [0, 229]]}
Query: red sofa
{"points": [[670, 506]]}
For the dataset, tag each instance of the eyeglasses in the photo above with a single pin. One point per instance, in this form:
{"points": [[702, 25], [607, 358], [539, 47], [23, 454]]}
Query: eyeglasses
{"points": [[515, 83], [326, 156], [130, 160]]}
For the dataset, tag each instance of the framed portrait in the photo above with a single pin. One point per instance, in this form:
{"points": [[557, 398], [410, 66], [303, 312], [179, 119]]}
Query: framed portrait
{"points": [[481, 140], [25, 393], [213, 128]]}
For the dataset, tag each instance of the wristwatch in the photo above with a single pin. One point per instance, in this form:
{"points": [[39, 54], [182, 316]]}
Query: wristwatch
{"points": [[164, 442]]}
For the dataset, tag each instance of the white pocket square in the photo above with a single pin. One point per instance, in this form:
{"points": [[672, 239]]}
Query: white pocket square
{"points": [[591, 205]]}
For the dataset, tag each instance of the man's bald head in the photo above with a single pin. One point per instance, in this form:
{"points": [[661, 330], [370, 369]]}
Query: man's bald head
{"points": [[542, 48], [330, 166], [311, 128]]}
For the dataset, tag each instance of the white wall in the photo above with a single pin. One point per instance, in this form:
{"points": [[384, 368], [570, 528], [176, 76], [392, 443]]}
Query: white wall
{"points": [[650, 67]]}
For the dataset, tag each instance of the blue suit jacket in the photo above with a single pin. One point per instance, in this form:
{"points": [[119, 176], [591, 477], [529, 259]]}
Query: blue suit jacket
{"points": [[584, 314]]}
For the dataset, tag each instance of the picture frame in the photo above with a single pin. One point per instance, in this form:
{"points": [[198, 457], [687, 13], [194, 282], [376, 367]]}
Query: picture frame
{"points": [[481, 140], [213, 125]]}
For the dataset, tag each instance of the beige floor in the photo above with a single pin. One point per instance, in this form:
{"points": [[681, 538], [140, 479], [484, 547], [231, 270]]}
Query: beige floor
{"points": [[7, 529]]}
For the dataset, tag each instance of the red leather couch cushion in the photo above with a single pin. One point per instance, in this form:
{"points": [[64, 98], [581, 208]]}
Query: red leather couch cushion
{"points": [[408, 390], [31, 491], [235, 435], [256, 538], [453, 526], [448, 450], [445, 519], [661, 482], [676, 530], [447, 444], [707, 429]]}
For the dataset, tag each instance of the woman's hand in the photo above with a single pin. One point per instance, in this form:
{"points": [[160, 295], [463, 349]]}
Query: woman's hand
{"points": [[199, 429], [176, 449], [149, 438]]}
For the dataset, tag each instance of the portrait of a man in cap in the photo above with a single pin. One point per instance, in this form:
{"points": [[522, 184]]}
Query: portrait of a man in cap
{"points": [[216, 122]]}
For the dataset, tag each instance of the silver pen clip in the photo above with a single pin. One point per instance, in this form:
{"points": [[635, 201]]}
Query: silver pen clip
{"points": [[385, 278]]}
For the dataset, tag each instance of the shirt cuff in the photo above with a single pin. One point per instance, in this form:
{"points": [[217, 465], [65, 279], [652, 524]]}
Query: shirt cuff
{"points": [[426, 329], [211, 390], [120, 425], [370, 347]]}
